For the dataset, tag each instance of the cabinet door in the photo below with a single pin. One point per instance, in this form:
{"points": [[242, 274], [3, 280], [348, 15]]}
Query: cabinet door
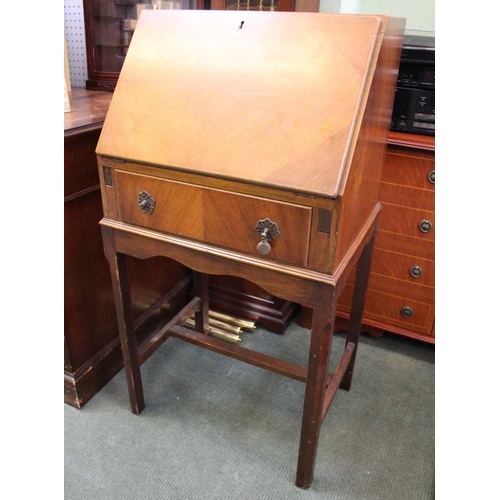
{"points": [[269, 5], [109, 27]]}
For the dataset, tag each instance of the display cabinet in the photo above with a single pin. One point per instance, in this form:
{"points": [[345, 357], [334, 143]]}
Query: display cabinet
{"points": [[263, 5], [109, 27]]}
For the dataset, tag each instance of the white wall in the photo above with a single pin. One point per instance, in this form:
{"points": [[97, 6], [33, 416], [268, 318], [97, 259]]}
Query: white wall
{"points": [[419, 14], [329, 6]]}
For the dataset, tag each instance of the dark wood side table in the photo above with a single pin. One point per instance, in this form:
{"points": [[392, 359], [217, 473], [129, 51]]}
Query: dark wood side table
{"points": [[263, 168], [92, 353]]}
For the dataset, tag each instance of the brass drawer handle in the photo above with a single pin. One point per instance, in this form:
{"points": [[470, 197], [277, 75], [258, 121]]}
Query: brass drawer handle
{"points": [[425, 225], [416, 271], [407, 311], [432, 177], [146, 202], [268, 231]]}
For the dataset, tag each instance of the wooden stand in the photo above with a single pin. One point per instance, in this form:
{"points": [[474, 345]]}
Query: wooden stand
{"points": [[321, 386]]}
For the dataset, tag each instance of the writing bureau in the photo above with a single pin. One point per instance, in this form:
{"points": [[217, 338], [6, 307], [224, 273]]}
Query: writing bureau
{"points": [[250, 144]]}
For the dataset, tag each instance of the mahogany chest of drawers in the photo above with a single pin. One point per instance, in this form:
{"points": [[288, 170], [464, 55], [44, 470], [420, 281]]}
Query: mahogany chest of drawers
{"points": [[400, 295]]}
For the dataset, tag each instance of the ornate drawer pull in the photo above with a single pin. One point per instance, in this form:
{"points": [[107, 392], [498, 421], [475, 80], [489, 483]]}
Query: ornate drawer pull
{"points": [[268, 231], [432, 177], [416, 271], [407, 311], [425, 225], [146, 202]]}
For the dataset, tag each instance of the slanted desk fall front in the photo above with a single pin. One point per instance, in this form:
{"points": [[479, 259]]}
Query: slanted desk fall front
{"points": [[251, 144]]}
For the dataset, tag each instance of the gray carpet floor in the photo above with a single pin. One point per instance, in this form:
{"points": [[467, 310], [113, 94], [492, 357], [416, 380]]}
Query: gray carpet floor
{"points": [[216, 428]]}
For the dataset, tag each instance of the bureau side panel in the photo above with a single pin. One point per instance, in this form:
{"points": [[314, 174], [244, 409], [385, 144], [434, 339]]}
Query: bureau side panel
{"points": [[361, 191]]}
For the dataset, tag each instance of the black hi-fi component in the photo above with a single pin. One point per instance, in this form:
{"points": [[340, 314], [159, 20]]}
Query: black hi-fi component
{"points": [[414, 103]]}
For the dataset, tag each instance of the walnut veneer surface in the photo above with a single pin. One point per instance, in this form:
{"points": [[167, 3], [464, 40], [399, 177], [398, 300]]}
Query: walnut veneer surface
{"points": [[259, 149], [251, 149]]}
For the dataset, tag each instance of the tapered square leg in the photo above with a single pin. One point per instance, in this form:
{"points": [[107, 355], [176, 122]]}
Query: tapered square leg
{"points": [[317, 374], [123, 303], [358, 305]]}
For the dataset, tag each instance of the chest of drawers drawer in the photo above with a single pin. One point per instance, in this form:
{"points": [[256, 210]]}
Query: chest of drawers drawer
{"points": [[408, 245], [404, 196], [408, 170], [403, 267], [393, 310], [408, 221], [213, 216]]}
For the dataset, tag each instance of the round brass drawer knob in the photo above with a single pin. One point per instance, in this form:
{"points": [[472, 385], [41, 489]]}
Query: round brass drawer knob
{"points": [[407, 311], [425, 225], [432, 177], [268, 231], [416, 271]]}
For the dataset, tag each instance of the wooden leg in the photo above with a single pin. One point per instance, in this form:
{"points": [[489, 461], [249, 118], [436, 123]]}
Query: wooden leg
{"points": [[358, 304], [317, 373], [200, 284], [123, 304]]}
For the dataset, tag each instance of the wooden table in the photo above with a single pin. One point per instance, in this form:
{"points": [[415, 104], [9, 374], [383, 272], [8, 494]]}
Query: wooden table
{"points": [[253, 150], [92, 354]]}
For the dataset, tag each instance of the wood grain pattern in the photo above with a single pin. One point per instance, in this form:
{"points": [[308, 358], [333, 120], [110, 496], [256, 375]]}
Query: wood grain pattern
{"points": [[80, 168], [392, 286], [405, 196], [361, 276], [303, 105], [200, 179], [88, 110], [387, 309], [92, 347], [377, 328], [215, 216], [361, 191], [266, 274], [323, 244], [414, 141], [293, 126], [397, 265], [404, 220], [413, 246], [408, 169], [317, 376]]}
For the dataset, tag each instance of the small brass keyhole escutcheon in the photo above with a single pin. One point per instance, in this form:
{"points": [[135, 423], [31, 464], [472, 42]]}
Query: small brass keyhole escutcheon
{"points": [[146, 202], [268, 231]]}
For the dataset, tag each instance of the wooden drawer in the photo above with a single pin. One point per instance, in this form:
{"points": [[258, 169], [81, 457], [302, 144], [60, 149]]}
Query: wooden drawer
{"points": [[214, 216], [403, 220], [392, 286], [407, 170], [416, 247], [407, 196], [387, 308], [397, 265]]}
